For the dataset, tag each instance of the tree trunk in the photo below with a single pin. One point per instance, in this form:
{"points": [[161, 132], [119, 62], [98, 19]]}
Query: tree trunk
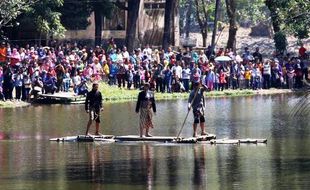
{"points": [[188, 18], [217, 5], [131, 29], [279, 35], [274, 15], [202, 20], [204, 38], [169, 12], [98, 26], [231, 13]]}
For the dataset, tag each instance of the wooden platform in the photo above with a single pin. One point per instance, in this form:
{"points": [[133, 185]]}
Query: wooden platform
{"points": [[210, 138], [165, 138], [84, 138], [138, 138], [238, 141], [61, 98]]}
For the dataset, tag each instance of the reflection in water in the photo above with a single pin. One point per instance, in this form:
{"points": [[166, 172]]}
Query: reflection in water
{"points": [[147, 160], [200, 175], [29, 161]]}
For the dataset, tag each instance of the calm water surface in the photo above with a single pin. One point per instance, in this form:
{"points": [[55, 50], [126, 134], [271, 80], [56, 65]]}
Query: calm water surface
{"points": [[29, 161]]}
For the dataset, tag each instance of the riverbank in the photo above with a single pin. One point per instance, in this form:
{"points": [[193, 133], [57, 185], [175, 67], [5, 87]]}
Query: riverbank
{"points": [[112, 94]]}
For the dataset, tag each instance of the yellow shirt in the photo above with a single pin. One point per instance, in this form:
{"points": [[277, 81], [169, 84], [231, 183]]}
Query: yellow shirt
{"points": [[247, 75], [106, 69]]}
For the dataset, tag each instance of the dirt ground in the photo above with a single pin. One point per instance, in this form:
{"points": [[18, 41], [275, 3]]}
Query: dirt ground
{"points": [[265, 44]]}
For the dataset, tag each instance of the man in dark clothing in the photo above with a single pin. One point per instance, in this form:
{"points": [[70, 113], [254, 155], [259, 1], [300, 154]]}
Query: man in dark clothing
{"points": [[196, 101], [257, 55], [93, 106]]}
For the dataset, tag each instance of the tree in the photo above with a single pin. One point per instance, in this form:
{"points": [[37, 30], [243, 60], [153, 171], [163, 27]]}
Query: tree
{"points": [[169, 12], [216, 16], [250, 12], [46, 16], [231, 13], [275, 18], [101, 8], [75, 14], [188, 18], [296, 18], [11, 9], [132, 9], [289, 17], [202, 18]]}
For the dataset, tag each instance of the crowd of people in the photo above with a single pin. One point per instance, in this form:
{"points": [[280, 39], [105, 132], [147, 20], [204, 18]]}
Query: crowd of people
{"points": [[70, 66]]}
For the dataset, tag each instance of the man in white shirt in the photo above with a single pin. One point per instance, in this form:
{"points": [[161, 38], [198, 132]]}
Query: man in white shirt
{"points": [[177, 69], [125, 53], [147, 51]]}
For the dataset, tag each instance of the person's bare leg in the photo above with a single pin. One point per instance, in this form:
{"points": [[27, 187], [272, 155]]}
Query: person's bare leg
{"points": [[147, 134], [97, 128], [203, 130], [88, 126], [195, 129], [141, 130]]}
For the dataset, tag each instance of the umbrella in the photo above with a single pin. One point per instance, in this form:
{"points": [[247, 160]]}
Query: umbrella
{"points": [[222, 58]]}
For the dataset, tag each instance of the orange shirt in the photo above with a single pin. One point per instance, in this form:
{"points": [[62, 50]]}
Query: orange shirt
{"points": [[3, 53]]}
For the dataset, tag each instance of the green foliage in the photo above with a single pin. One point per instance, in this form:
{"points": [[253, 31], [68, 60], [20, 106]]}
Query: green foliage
{"points": [[75, 14], [251, 11], [296, 18], [11, 9], [280, 41], [293, 16], [46, 17]]}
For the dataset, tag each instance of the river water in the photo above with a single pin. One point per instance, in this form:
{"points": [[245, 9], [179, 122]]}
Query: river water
{"points": [[29, 161]]}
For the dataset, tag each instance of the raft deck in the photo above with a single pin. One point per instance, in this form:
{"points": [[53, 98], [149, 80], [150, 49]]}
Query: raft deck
{"points": [[163, 138], [60, 97], [238, 141], [210, 138], [84, 138]]}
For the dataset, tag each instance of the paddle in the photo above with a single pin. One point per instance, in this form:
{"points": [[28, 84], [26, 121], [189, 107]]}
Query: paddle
{"points": [[187, 113]]}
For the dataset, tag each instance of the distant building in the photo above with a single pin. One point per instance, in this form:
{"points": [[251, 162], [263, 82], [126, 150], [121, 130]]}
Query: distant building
{"points": [[150, 25]]}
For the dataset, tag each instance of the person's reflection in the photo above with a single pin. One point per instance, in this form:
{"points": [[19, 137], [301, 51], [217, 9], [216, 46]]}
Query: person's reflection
{"points": [[147, 160], [94, 168], [199, 175]]}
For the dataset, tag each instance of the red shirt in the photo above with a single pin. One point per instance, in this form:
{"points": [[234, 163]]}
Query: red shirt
{"points": [[302, 51]]}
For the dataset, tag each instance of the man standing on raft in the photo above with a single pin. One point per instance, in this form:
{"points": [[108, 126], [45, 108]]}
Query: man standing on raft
{"points": [[93, 106], [146, 103], [196, 101]]}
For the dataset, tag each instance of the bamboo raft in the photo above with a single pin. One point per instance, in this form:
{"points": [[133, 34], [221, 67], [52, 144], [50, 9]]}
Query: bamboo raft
{"points": [[84, 138], [238, 141], [61, 97], [210, 138]]}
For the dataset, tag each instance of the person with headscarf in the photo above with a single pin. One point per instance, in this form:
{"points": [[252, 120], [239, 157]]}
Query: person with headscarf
{"points": [[145, 105]]}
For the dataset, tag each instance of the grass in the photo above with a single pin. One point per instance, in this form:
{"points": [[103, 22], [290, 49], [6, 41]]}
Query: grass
{"points": [[113, 93]]}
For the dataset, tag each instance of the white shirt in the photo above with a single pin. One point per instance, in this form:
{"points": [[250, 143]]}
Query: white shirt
{"points": [[178, 70]]}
